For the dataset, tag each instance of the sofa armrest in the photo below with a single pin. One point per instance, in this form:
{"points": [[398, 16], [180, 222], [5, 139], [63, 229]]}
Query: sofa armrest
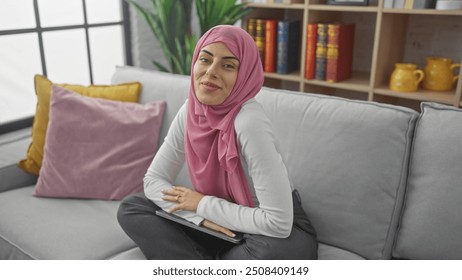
{"points": [[13, 148]]}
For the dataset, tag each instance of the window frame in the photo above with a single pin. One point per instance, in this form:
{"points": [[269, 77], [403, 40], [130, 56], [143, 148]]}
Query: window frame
{"points": [[39, 30]]}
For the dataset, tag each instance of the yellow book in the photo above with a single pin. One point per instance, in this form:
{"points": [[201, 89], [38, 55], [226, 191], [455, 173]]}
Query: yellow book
{"points": [[409, 4], [260, 38]]}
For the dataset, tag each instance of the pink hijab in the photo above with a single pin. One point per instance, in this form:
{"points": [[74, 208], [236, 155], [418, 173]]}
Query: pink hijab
{"points": [[212, 152]]}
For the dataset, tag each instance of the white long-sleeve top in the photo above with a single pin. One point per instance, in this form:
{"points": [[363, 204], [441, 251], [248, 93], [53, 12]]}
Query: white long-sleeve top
{"points": [[262, 163]]}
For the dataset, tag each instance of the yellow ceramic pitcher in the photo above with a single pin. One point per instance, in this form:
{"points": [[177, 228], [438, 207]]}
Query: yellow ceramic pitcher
{"points": [[406, 77], [439, 74]]}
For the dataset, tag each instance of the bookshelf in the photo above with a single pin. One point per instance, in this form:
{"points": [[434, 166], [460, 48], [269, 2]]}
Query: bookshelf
{"points": [[383, 37]]}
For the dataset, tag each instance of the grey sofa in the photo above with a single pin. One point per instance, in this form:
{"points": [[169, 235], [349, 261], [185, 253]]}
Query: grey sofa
{"points": [[377, 181]]}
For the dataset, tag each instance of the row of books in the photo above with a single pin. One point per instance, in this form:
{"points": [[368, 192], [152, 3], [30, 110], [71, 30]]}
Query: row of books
{"points": [[329, 51], [278, 43]]}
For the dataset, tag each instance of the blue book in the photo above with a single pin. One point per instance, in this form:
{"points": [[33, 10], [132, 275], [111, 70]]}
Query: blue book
{"points": [[321, 52], [288, 46]]}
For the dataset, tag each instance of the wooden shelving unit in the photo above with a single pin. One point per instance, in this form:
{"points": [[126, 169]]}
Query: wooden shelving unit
{"points": [[383, 35]]}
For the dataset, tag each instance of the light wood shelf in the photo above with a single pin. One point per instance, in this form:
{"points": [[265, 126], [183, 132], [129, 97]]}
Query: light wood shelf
{"points": [[424, 12], [294, 76], [445, 97], [386, 45], [336, 8], [358, 82]]}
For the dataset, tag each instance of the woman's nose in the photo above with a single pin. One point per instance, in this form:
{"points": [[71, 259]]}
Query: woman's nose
{"points": [[212, 70]]}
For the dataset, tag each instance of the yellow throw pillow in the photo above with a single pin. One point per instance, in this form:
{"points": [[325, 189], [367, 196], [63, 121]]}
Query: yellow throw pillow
{"points": [[128, 92]]}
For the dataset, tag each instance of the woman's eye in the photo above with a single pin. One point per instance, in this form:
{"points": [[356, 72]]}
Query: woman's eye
{"points": [[203, 59], [229, 66]]}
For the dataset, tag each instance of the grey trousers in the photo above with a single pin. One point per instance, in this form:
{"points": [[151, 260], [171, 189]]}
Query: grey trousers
{"points": [[159, 238]]}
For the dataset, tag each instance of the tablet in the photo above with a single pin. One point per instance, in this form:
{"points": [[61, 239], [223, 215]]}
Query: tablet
{"points": [[177, 219]]}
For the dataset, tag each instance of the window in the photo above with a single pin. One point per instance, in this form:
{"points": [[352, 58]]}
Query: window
{"points": [[72, 41]]}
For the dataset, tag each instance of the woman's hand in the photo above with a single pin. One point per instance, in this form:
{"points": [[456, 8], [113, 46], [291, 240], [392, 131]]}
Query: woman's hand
{"points": [[215, 227], [185, 198]]}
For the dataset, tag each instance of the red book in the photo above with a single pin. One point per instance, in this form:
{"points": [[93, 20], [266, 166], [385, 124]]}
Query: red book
{"points": [[310, 58], [271, 36], [340, 42]]}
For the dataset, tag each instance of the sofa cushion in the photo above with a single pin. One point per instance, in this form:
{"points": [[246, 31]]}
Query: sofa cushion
{"points": [[327, 252], [157, 86], [52, 228], [348, 159], [431, 227], [97, 148], [124, 92]]}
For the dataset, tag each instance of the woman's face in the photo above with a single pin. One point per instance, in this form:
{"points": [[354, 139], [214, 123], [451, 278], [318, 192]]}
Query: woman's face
{"points": [[215, 73]]}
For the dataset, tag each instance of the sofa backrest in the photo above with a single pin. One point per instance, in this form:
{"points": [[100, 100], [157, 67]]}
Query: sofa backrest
{"points": [[349, 160]]}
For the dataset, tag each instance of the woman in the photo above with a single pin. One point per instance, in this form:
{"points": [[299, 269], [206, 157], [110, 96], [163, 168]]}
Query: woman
{"points": [[239, 181]]}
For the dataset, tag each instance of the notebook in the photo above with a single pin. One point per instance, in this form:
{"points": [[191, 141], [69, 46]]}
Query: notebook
{"points": [[172, 217]]}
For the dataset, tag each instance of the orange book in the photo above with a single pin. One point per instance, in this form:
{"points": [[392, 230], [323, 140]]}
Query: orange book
{"points": [[271, 36], [340, 42], [310, 57]]}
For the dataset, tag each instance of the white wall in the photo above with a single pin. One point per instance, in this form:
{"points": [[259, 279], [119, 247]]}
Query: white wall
{"points": [[145, 47]]}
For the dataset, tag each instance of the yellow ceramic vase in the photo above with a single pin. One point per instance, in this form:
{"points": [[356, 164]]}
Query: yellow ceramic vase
{"points": [[439, 74], [406, 77]]}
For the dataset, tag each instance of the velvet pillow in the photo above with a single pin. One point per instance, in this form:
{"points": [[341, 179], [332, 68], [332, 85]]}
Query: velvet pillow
{"points": [[123, 92], [97, 148]]}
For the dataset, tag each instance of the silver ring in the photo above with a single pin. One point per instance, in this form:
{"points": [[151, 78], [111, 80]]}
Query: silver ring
{"points": [[177, 197]]}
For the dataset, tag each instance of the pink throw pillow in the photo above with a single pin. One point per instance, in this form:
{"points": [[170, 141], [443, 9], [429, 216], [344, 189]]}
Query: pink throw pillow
{"points": [[97, 148]]}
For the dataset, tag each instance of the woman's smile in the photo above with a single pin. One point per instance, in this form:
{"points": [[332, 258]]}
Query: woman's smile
{"points": [[210, 86]]}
